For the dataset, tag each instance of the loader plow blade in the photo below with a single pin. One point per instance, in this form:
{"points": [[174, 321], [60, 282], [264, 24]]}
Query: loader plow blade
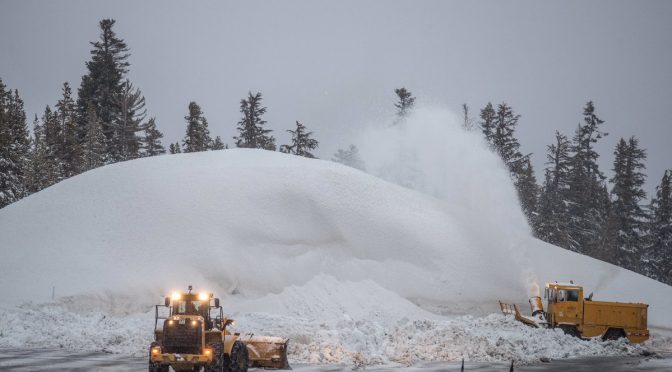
{"points": [[512, 309], [266, 351]]}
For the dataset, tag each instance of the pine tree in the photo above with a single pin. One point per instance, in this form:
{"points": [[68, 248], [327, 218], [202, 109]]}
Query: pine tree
{"points": [[553, 208], [487, 123], [301, 142], [69, 150], [217, 144], [125, 143], [197, 137], [54, 139], [251, 126], [659, 247], [503, 140], [152, 143], [349, 157], [528, 193], [586, 197], [14, 147], [21, 138], [95, 142], [174, 148], [103, 81], [499, 130], [468, 121], [404, 105], [627, 190], [42, 170], [605, 246]]}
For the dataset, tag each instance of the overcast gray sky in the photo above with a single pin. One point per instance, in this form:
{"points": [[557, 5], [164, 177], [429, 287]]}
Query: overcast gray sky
{"points": [[333, 65]]}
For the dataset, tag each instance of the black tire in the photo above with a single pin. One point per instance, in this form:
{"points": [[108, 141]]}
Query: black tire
{"points": [[238, 360], [570, 330], [284, 355], [613, 334], [156, 367], [217, 364]]}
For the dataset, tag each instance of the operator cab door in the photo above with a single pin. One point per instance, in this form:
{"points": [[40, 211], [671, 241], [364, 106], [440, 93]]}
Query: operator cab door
{"points": [[574, 301], [565, 304]]}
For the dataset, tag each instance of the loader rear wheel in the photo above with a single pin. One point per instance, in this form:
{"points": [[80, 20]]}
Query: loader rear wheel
{"points": [[217, 364], [613, 334], [238, 360]]}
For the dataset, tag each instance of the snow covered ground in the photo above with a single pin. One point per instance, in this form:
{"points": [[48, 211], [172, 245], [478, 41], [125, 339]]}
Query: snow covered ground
{"points": [[352, 267], [351, 341]]}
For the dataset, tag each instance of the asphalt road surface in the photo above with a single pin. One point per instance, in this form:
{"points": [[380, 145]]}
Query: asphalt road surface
{"points": [[60, 360]]}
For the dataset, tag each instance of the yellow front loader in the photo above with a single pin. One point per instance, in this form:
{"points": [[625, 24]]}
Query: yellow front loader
{"points": [[190, 338], [580, 316]]}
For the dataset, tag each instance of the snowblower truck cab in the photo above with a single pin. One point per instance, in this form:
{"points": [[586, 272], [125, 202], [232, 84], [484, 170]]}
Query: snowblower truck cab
{"points": [[194, 336], [580, 316]]}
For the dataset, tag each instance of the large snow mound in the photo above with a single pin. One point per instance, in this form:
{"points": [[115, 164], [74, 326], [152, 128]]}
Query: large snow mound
{"points": [[257, 222], [352, 267]]}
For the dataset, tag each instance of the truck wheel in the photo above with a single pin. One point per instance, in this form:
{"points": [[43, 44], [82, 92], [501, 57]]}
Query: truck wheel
{"points": [[613, 334], [217, 364], [570, 330], [238, 360]]}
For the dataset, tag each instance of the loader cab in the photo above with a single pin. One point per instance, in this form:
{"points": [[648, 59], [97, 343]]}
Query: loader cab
{"points": [[201, 307], [565, 303], [190, 306]]}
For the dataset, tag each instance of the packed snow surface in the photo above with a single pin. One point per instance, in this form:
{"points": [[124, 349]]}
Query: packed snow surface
{"points": [[398, 267]]}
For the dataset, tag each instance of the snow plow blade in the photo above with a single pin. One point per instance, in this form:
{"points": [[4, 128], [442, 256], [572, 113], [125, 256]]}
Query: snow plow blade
{"points": [[512, 309], [266, 351]]}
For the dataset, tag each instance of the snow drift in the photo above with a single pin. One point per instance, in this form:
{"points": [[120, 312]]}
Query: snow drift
{"points": [[308, 244]]}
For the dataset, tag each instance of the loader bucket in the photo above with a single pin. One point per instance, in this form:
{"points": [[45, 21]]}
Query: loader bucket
{"points": [[266, 351]]}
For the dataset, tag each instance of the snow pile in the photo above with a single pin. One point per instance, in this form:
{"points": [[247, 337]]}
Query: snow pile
{"points": [[342, 262], [357, 341], [53, 325]]}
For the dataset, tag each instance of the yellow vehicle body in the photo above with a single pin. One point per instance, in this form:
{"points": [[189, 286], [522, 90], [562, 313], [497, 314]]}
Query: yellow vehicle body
{"points": [[200, 356], [568, 309], [191, 338]]}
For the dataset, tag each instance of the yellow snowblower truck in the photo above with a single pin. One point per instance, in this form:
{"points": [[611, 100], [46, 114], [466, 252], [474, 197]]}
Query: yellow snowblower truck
{"points": [[583, 317], [190, 338]]}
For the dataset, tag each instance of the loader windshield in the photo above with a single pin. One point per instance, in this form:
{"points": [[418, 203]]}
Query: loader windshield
{"points": [[189, 307]]}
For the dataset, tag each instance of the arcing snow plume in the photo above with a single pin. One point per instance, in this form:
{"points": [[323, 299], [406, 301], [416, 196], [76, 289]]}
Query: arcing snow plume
{"points": [[432, 153]]}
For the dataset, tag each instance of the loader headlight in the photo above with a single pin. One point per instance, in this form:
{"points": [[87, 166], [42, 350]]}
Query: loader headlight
{"points": [[170, 322], [156, 350], [193, 323], [203, 296], [207, 352], [176, 296]]}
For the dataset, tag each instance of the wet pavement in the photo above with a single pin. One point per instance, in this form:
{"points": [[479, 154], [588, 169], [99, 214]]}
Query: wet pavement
{"points": [[61, 360]]}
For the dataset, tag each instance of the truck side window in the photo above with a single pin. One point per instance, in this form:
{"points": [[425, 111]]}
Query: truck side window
{"points": [[573, 295], [561, 295]]}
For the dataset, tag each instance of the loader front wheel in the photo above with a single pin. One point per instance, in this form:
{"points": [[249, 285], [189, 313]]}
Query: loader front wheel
{"points": [[238, 360], [217, 364], [156, 367]]}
